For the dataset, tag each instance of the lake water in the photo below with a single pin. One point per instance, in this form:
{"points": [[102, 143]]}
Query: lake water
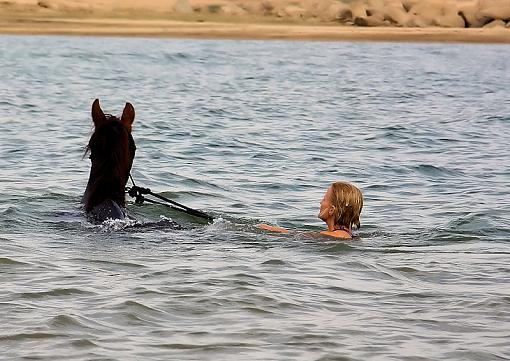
{"points": [[253, 131]]}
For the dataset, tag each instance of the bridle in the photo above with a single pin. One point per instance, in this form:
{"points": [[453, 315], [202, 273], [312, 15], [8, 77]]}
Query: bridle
{"points": [[139, 194]]}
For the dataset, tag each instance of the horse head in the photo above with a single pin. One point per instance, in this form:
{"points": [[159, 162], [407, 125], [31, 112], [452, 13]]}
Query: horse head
{"points": [[112, 150]]}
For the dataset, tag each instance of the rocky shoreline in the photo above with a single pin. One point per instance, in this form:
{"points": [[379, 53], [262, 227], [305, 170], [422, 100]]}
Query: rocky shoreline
{"points": [[372, 13], [398, 13], [367, 20]]}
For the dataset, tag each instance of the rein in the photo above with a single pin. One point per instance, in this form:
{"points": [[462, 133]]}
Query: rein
{"points": [[138, 193]]}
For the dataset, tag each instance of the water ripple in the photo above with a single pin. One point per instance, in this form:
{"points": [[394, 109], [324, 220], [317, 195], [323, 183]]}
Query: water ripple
{"points": [[254, 132], [58, 292]]}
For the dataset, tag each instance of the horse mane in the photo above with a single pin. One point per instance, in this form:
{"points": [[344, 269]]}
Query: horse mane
{"points": [[111, 149]]}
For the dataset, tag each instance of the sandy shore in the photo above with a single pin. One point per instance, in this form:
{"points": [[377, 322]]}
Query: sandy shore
{"points": [[27, 17], [217, 30]]}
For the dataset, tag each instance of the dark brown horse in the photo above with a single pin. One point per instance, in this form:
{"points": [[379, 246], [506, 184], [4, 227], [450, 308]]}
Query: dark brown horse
{"points": [[112, 150]]}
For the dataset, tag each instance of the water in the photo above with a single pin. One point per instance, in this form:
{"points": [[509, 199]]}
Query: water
{"points": [[255, 131]]}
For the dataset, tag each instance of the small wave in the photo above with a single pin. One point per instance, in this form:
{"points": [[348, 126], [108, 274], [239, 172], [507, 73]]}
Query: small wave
{"points": [[145, 291], [117, 224], [247, 276], [207, 347], [116, 264], [257, 310], [490, 302], [6, 103], [343, 290], [274, 262], [136, 306], [417, 295], [163, 223], [496, 118], [267, 155], [153, 275], [10, 262], [467, 228], [394, 127], [177, 56], [58, 292], [448, 140], [11, 210], [134, 317], [64, 321], [377, 187], [435, 171], [188, 181], [339, 247], [470, 222], [83, 343], [406, 269], [30, 336], [224, 224]]}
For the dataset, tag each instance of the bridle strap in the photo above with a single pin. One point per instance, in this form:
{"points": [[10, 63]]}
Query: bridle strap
{"points": [[139, 192]]}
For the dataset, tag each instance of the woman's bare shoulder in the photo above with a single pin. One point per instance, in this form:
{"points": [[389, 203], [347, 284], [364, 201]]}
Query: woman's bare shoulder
{"points": [[337, 234]]}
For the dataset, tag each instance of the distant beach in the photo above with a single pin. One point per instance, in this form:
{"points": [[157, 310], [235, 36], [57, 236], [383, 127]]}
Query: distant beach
{"points": [[233, 20]]}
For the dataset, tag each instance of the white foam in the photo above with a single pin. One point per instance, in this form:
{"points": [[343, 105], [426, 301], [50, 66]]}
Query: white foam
{"points": [[117, 224]]}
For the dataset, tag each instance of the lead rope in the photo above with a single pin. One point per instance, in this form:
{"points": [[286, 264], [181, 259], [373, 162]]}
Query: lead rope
{"points": [[138, 194]]}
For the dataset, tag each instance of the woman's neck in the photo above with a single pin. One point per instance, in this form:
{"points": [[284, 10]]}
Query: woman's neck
{"points": [[332, 226]]}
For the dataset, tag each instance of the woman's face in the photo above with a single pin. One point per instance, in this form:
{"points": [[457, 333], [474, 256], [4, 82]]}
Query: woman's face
{"points": [[326, 209]]}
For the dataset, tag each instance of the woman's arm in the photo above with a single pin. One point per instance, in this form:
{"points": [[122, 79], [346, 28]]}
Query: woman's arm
{"points": [[341, 235], [267, 227]]}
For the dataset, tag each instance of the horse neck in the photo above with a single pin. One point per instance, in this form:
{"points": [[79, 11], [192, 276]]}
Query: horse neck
{"points": [[105, 183], [112, 152]]}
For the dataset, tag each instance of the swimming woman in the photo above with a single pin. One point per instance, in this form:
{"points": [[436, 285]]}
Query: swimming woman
{"points": [[340, 209]]}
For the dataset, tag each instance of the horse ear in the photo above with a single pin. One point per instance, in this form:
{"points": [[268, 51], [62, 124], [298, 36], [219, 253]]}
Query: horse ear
{"points": [[98, 116], [128, 116]]}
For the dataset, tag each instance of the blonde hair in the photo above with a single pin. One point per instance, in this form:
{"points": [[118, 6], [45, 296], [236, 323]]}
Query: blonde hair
{"points": [[348, 202]]}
